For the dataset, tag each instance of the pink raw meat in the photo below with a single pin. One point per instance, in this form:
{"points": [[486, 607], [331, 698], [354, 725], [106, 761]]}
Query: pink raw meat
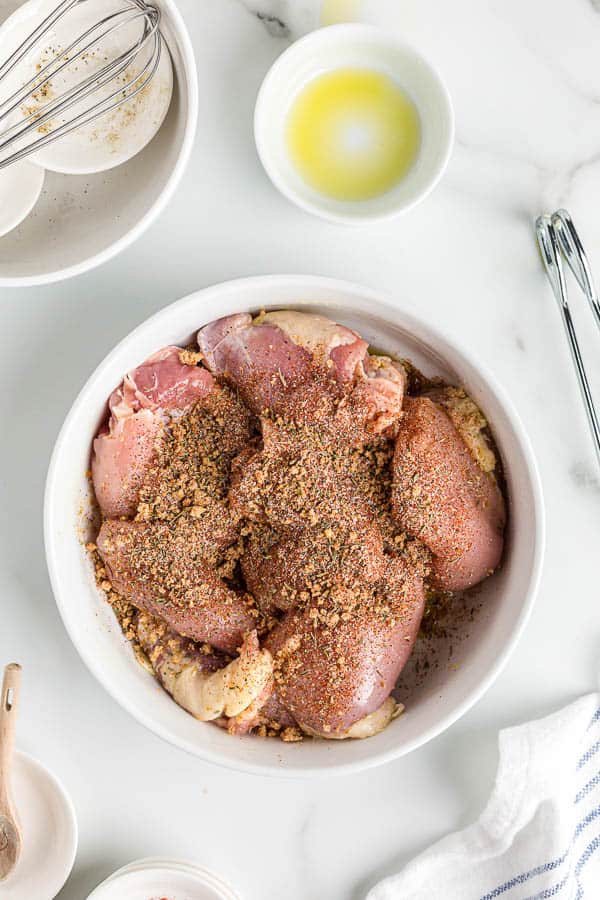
{"points": [[441, 496], [274, 354], [138, 409], [381, 385], [273, 357], [328, 678]]}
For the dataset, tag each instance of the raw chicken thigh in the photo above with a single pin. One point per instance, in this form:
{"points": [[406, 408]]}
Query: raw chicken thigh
{"points": [[138, 409], [444, 498], [337, 663], [281, 572], [285, 344], [279, 357], [167, 572], [312, 527]]}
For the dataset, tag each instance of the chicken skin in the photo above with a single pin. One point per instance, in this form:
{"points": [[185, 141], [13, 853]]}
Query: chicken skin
{"points": [[208, 685]]}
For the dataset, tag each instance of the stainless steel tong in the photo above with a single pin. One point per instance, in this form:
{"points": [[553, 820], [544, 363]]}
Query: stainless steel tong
{"points": [[558, 240]]}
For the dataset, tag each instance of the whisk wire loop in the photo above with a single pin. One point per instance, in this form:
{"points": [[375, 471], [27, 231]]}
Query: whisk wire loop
{"points": [[34, 121], [65, 59]]}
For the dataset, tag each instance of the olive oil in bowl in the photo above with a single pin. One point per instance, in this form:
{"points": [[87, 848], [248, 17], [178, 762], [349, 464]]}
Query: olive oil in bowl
{"points": [[353, 134]]}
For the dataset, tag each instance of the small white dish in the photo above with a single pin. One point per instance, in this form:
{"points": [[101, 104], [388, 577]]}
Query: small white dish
{"points": [[115, 137], [157, 877], [49, 831], [20, 186], [80, 221], [365, 47]]}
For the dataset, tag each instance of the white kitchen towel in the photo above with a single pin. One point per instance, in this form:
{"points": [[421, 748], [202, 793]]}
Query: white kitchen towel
{"points": [[539, 835]]}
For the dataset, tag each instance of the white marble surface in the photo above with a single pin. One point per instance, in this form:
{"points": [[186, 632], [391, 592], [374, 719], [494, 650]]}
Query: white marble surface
{"points": [[524, 78]]}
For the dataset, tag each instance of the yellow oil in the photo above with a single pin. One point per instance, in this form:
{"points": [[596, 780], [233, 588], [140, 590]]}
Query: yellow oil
{"points": [[353, 134]]}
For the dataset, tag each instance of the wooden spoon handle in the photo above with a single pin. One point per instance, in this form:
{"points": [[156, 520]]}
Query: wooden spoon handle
{"points": [[9, 698]]}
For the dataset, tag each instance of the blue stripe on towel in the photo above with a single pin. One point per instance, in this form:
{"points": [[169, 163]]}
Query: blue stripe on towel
{"points": [[545, 867], [593, 814], [587, 788], [595, 718], [525, 876], [583, 859], [587, 854], [556, 863], [551, 891], [589, 754]]}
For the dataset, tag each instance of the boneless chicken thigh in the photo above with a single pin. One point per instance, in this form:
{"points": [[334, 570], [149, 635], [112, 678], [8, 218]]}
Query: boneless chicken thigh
{"points": [[125, 448], [442, 496], [283, 572], [312, 529], [333, 668], [268, 356], [168, 573], [271, 358]]}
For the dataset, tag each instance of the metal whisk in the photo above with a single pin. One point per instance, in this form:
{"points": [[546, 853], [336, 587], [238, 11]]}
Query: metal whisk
{"points": [[93, 96], [558, 239]]}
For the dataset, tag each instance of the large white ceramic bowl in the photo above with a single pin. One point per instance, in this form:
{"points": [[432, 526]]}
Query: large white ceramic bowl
{"points": [[448, 691], [81, 221]]}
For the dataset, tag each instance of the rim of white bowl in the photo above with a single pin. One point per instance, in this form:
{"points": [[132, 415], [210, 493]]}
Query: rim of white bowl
{"points": [[32, 200], [284, 186], [205, 877], [410, 317], [190, 78]]}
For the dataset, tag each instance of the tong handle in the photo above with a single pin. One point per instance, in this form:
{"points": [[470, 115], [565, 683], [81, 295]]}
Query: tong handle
{"points": [[556, 235], [575, 255]]}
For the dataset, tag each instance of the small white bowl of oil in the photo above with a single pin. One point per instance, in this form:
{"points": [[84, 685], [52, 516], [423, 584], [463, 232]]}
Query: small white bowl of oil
{"points": [[353, 125]]}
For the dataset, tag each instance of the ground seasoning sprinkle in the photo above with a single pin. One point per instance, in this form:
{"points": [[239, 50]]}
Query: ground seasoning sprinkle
{"points": [[295, 510]]}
